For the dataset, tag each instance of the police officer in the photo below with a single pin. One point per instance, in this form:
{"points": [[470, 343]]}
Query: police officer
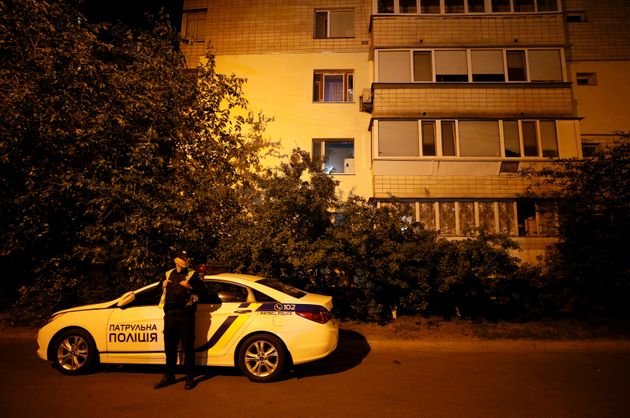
{"points": [[181, 288]]}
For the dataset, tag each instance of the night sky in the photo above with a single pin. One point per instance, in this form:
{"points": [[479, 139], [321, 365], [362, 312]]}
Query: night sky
{"points": [[131, 12]]}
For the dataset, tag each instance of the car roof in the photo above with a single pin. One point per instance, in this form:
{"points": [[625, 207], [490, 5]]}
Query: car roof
{"points": [[245, 278]]}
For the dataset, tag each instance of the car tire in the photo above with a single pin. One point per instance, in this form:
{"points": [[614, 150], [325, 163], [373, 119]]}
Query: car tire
{"points": [[262, 357], [74, 352]]}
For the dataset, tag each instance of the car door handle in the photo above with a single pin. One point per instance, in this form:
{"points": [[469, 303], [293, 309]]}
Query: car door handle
{"points": [[243, 311]]}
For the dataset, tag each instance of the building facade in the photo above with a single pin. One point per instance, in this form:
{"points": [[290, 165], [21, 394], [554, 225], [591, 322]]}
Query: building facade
{"points": [[437, 104]]}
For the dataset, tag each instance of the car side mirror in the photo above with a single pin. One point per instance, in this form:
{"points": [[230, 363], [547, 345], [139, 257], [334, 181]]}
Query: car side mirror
{"points": [[126, 299]]}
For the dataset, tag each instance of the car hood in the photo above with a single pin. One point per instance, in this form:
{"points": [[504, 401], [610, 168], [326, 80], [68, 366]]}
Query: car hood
{"points": [[314, 298], [103, 305]]}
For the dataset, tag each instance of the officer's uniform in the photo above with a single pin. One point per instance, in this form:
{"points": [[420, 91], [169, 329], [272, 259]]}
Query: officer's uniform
{"points": [[179, 319]]}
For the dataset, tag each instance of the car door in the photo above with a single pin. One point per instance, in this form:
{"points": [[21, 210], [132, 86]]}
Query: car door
{"points": [[135, 332], [220, 324]]}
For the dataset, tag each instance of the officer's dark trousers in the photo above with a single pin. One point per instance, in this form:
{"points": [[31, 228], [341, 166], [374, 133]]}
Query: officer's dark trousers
{"points": [[179, 326]]}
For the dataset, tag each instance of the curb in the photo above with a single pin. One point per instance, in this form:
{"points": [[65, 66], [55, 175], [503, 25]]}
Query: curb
{"points": [[388, 345]]}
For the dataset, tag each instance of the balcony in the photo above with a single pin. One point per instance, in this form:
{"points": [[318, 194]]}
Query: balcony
{"points": [[461, 100]]}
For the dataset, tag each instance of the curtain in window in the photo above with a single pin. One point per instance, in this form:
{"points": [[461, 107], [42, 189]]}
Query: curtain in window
{"points": [[333, 88]]}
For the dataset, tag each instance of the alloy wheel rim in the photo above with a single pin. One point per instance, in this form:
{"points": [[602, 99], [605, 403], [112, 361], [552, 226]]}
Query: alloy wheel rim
{"points": [[261, 358], [72, 353]]}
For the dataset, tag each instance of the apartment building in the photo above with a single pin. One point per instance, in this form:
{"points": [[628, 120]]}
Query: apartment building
{"points": [[434, 103]]}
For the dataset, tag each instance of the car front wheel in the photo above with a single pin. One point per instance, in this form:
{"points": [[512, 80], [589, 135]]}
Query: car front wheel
{"points": [[74, 352], [262, 357]]}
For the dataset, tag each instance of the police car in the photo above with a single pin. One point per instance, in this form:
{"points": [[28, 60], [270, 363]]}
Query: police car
{"points": [[258, 324]]}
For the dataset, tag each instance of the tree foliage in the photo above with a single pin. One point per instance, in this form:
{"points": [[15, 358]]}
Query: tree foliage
{"points": [[110, 152], [591, 263]]}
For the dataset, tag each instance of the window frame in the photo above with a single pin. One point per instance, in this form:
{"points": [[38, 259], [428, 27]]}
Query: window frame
{"points": [[321, 153], [409, 72], [442, 6], [328, 23], [439, 138], [198, 15], [319, 85]]}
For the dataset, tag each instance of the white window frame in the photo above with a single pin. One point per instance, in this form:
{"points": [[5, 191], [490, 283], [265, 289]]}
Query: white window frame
{"points": [[195, 15], [487, 3], [439, 139], [504, 52], [328, 23]]}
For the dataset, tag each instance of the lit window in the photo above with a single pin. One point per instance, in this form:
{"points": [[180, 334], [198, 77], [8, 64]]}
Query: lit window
{"points": [[335, 86], [334, 24], [398, 139], [337, 155]]}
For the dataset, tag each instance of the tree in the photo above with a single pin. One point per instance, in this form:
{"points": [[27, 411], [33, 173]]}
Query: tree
{"points": [[110, 152], [591, 263]]}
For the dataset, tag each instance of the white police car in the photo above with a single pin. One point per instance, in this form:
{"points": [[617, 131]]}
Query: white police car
{"points": [[261, 325]]}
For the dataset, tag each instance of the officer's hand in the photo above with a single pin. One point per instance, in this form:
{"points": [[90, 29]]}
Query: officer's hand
{"points": [[165, 283], [185, 284]]}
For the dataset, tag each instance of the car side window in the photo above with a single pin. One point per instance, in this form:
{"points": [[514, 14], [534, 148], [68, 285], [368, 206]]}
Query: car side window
{"points": [[149, 297], [227, 292], [261, 297]]}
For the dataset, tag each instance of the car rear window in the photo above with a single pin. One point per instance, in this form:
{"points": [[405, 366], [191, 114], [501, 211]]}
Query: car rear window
{"points": [[284, 288]]}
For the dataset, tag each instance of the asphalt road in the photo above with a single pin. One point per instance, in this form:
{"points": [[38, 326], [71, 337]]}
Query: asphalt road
{"points": [[356, 381]]}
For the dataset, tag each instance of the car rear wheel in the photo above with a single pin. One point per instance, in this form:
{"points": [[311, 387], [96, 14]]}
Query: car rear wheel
{"points": [[74, 352], [262, 357]]}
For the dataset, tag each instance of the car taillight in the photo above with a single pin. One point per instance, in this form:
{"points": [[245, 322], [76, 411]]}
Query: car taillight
{"points": [[318, 316]]}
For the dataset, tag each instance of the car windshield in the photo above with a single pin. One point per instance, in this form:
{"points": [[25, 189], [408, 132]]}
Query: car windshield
{"points": [[281, 287]]}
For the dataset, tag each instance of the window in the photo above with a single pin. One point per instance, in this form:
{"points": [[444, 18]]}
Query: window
{"points": [[386, 6], [408, 6], [333, 86], [523, 5], [447, 218], [547, 5], [454, 6], [516, 65], [422, 66], [337, 155], [448, 138], [511, 140], [393, 67], [428, 138], [398, 139], [487, 221], [479, 139], [430, 6], [548, 138], [530, 141], [576, 17], [586, 79], [451, 66], [545, 65], [466, 211], [476, 6], [501, 6], [194, 25], [227, 292], [487, 65], [334, 24]]}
